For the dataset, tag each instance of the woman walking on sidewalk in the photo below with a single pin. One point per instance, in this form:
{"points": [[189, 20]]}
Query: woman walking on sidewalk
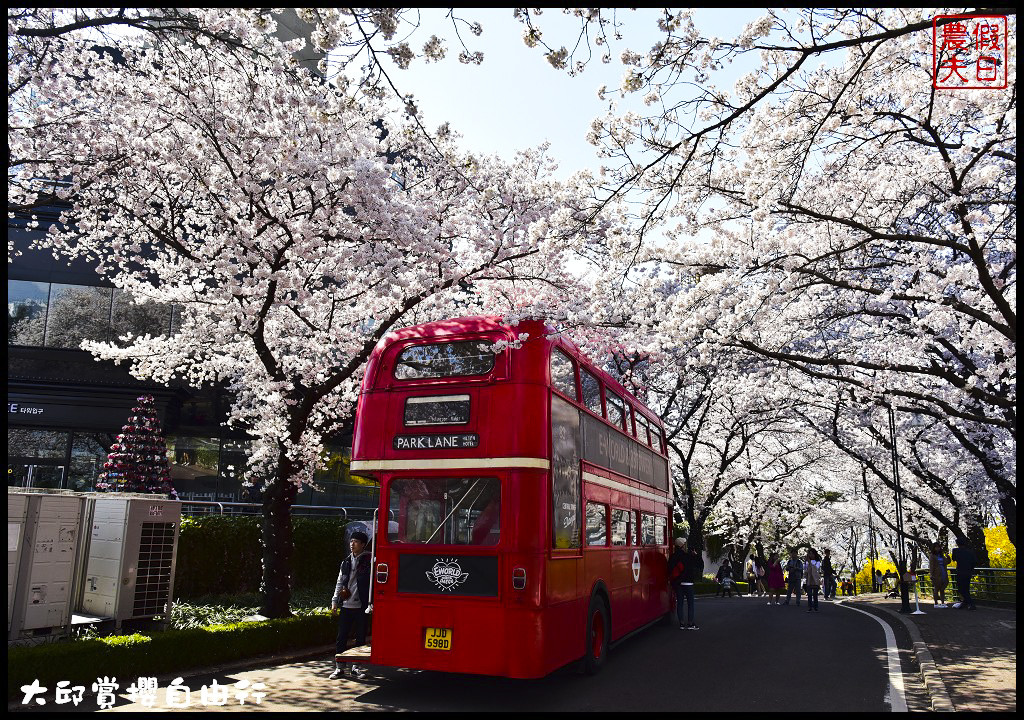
{"points": [[812, 579]]}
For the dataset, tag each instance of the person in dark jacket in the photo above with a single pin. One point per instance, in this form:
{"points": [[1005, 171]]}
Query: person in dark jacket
{"points": [[966, 561], [794, 576], [351, 597], [829, 576], [685, 568]]}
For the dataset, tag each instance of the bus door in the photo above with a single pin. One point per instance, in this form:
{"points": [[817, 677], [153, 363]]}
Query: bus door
{"points": [[622, 582]]}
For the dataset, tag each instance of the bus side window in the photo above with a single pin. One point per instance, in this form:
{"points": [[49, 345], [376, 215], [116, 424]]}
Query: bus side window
{"points": [[591, 392], [660, 523], [620, 527], [563, 375], [641, 430], [616, 414], [635, 517], [648, 530], [596, 524], [630, 427], [656, 438]]}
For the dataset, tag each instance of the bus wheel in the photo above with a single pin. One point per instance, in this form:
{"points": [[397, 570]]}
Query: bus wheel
{"points": [[598, 631]]}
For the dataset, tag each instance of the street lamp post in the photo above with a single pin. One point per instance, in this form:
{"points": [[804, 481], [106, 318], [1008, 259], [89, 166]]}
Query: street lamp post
{"points": [[901, 550], [871, 527]]}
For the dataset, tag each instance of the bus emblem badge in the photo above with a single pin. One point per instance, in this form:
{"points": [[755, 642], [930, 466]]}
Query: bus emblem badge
{"points": [[447, 574], [636, 566]]}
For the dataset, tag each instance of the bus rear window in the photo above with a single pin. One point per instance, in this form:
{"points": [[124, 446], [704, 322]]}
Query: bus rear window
{"points": [[444, 360], [445, 511]]}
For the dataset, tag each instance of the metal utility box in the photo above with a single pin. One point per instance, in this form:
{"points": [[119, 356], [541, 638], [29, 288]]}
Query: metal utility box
{"points": [[129, 571], [44, 539]]}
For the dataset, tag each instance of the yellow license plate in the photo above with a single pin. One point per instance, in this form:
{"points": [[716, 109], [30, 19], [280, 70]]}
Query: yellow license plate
{"points": [[438, 639]]}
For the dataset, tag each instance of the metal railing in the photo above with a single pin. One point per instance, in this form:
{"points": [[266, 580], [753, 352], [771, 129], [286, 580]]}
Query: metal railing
{"points": [[210, 507], [998, 585]]}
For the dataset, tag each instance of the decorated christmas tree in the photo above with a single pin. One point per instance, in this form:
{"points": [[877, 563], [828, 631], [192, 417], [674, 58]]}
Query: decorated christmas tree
{"points": [[137, 462]]}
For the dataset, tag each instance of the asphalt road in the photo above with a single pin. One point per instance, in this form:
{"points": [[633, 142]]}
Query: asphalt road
{"points": [[747, 656]]}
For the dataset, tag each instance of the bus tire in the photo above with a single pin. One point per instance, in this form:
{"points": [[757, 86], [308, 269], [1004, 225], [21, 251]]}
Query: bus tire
{"points": [[598, 633]]}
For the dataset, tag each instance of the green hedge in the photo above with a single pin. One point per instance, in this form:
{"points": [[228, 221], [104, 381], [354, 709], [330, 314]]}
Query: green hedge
{"points": [[128, 657], [223, 554]]}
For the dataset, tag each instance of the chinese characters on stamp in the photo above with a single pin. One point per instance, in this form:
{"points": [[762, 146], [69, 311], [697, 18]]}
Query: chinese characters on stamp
{"points": [[969, 52]]}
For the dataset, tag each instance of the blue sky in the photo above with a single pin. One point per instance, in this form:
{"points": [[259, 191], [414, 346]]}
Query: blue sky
{"points": [[515, 99]]}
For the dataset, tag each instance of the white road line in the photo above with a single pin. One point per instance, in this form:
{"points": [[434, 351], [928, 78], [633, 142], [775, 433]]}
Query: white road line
{"points": [[897, 693]]}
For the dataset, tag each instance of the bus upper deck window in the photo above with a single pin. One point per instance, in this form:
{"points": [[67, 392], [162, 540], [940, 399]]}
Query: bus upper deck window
{"points": [[641, 429], [591, 392], [656, 438], [616, 415], [563, 376], [444, 360]]}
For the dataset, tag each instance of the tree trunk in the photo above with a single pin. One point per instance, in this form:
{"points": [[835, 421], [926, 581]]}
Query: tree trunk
{"points": [[277, 541]]}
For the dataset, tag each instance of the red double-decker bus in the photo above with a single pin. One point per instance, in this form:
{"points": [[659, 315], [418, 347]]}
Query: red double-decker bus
{"points": [[528, 499]]}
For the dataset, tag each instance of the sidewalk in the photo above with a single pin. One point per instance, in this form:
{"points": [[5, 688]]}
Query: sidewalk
{"points": [[968, 658]]}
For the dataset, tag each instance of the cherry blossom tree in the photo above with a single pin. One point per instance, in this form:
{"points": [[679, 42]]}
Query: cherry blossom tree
{"points": [[833, 212], [728, 431], [292, 224]]}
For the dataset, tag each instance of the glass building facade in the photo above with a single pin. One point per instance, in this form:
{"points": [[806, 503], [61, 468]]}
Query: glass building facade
{"points": [[65, 409]]}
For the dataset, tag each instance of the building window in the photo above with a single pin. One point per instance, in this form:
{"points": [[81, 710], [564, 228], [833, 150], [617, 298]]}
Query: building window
{"points": [[37, 444], [131, 318], [77, 313], [62, 316], [88, 454], [26, 312]]}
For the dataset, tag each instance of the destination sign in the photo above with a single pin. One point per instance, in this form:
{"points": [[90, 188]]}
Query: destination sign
{"points": [[430, 442]]}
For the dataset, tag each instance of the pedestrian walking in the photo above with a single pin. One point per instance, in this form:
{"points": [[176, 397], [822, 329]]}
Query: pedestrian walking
{"points": [[812, 579], [828, 576], [351, 597], [752, 576], [878, 582], [937, 562], [775, 579], [794, 576], [966, 561]]}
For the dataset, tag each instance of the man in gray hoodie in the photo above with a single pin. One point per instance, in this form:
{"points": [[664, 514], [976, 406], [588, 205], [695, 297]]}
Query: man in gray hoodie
{"points": [[351, 596]]}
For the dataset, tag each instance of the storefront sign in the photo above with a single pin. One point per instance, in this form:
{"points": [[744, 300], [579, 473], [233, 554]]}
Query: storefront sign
{"points": [[21, 409]]}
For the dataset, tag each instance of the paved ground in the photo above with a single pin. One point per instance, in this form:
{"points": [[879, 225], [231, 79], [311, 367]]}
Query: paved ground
{"points": [[975, 652], [746, 656]]}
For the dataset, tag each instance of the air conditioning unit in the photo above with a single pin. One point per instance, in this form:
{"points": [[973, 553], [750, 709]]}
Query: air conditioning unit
{"points": [[44, 541], [129, 570]]}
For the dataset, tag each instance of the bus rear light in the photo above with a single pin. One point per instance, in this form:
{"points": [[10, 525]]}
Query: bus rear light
{"points": [[382, 573], [519, 578]]}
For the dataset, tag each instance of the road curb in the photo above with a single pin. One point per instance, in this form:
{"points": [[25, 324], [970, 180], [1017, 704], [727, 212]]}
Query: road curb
{"points": [[933, 682]]}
